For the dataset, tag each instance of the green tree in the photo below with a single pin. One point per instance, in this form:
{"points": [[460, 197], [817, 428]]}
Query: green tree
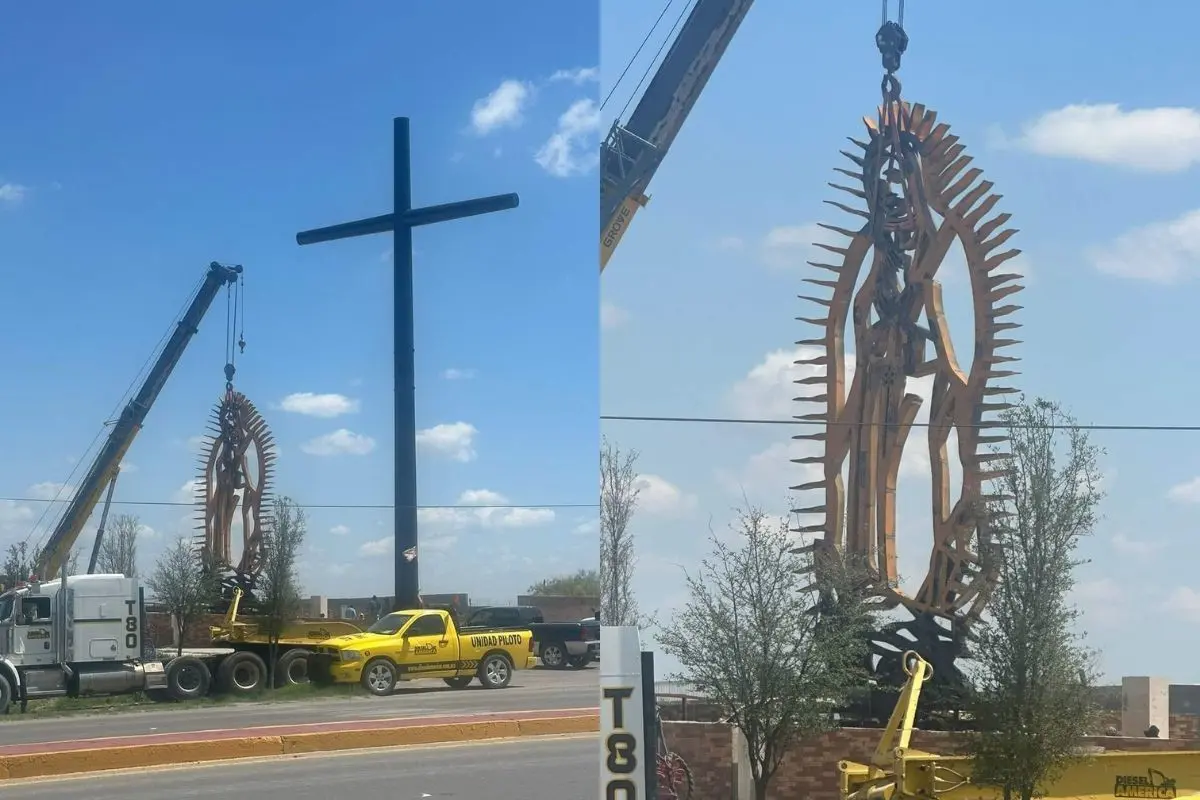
{"points": [[182, 585], [584, 583], [1033, 700], [752, 640], [278, 592]]}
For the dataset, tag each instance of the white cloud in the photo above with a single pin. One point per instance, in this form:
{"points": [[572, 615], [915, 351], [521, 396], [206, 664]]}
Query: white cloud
{"points": [[187, 492], [1137, 548], [196, 443], [319, 405], [503, 107], [456, 374], [657, 495], [377, 547], [1161, 252], [12, 194], [485, 516], [339, 530], [577, 76], [1186, 492], [572, 148], [1104, 601], [1150, 139], [790, 247], [1184, 601], [731, 243], [49, 490], [128, 468], [612, 316], [339, 442], [455, 440], [589, 528], [15, 516]]}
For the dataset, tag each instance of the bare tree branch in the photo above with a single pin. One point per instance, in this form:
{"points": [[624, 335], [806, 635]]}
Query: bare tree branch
{"points": [[119, 548], [1032, 673], [618, 502], [752, 641]]}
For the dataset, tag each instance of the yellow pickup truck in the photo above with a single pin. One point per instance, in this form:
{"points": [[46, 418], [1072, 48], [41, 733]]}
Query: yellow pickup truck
{"points": [[407, 645]]}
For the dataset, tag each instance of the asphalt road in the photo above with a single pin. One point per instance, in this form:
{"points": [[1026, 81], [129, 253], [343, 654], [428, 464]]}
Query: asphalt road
{"points": [[530, 690], [529, 769]]}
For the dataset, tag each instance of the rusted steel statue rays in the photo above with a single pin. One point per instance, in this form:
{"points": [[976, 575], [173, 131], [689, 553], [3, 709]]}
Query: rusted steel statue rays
{"points": [[915, 193], [236, 470]]}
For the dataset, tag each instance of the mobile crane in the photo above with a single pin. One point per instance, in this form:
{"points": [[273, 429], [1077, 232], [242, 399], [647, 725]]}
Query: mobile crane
{"points": [[632, 153], [81, 635], [898, 772]]}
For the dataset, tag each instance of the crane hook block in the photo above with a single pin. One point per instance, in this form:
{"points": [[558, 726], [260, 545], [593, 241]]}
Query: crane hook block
{"points": [[892, 41], [230, 369]]}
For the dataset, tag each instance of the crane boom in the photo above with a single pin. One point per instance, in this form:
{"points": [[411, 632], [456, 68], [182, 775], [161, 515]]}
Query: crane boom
{"points": [[632, 152], [103, 469]]}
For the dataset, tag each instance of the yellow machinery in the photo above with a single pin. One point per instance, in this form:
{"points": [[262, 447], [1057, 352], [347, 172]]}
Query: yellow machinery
{"points": [[897, 772], [295, 632]]}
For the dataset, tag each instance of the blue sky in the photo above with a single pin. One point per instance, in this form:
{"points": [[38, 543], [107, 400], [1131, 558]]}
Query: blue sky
{"points": [[140, 143], [1095, 152]]}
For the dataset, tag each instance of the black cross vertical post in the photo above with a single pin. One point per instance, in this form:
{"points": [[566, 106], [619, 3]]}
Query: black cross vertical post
{"points": [[400, 223]]}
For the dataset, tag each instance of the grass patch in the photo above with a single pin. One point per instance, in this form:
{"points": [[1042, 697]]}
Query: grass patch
{"points": [[101, 704]]}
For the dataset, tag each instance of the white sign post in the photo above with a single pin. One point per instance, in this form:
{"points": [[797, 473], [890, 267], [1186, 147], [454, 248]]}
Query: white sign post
{"points": [[624, 746]]}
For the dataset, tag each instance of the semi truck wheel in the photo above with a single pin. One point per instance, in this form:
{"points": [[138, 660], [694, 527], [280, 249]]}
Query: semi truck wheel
{"points": [[461, 682], [6, 694], [188, 678], [496, 671], [292, 668], [242, 673], [554, 655], [379, 677]]}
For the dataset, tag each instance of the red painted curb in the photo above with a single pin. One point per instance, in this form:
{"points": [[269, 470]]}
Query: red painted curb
{"points": [[287, 730]]}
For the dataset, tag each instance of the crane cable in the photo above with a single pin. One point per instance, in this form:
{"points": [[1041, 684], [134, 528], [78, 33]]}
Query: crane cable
{"points": [[235, 324], [670, 37], [646, 40], [86, 458]]}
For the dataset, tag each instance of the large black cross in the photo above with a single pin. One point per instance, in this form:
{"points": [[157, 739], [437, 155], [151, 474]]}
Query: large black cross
{"points": [[401, 222]]}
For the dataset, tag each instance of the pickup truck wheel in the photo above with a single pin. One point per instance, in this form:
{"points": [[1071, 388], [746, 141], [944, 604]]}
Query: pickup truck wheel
{"points": [[496, 671], [188, 678], [292, 668], [379, 677], [554, 655], [460, 682], [241, 674]]}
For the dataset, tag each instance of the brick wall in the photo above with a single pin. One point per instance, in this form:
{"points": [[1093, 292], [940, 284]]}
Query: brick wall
{"points": [[810, 770], [1183, 726], [162, 633]]}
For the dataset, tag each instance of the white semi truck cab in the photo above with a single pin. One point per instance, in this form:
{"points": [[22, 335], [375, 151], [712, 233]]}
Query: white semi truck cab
{"points": [[82, 638]]}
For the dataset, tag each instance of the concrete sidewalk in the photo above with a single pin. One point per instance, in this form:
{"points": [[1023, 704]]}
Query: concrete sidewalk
{"points": [[42, 759]]}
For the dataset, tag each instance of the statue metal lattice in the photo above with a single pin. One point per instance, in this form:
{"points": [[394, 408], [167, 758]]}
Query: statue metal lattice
{"points": [[236, 469], [916, 194]]}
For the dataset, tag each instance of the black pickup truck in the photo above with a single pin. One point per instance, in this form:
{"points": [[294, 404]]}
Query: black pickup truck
{"points": [[558, 644]]}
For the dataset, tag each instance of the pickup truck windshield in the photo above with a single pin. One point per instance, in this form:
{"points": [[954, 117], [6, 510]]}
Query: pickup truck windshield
{"points": [[391, 624]]}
